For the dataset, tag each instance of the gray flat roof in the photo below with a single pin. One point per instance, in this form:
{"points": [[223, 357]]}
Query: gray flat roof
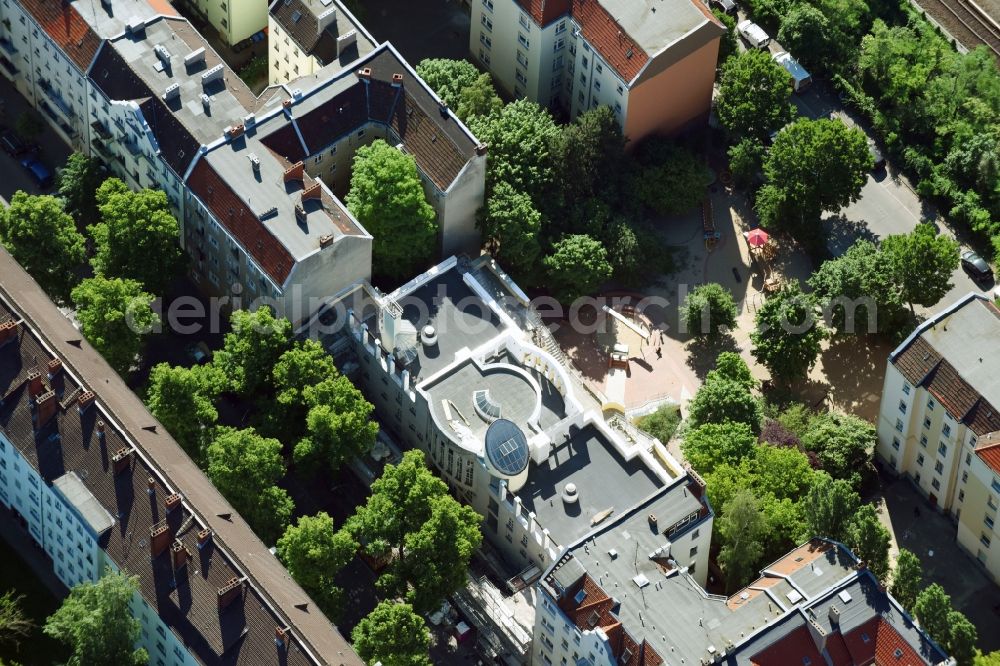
{"points": [[654, 24], [111, 24], [965, 338], [72, 488], [604, 480], [831, 567]]}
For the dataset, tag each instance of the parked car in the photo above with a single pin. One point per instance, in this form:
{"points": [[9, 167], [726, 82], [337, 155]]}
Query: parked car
{"points": [[41, 173], [976, 266], [801, 79], [753, 34], [878, 160], [724, 6], [12, 144]]}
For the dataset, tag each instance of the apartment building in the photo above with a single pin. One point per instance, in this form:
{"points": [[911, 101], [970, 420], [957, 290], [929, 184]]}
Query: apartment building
{"points": [[308, 35], [257, 182], [233, 20], [459, 366], [652, 62], [98, 483], [980, 496], [616, 598]]}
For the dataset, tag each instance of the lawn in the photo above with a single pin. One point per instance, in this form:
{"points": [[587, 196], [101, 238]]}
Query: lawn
{"points": [[38, 603]]}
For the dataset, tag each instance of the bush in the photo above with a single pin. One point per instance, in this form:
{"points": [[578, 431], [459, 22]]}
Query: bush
{"points": [[778, 435], [661, 424]]}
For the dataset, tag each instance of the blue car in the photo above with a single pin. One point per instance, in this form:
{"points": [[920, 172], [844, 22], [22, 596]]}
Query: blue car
{"points": [[38, 171]]}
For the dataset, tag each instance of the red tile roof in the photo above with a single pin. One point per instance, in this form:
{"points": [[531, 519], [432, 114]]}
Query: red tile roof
{"points": [[607, 36], [881, 645], [792, 649], [64, 25], [545, 11], [988, 450], [234, 214]]}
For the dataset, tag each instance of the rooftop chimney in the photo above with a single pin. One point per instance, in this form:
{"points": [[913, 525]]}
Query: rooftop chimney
{"points": [[397, 80], [172, 92], [172, 502], [326, 240], [203, 537], [206, 102], [179, 554], [294, 172], [652, 520], [236, 131], [834, 616], [151, 486], [287, 104], [55, 365], [100, 429], [314, 191], [365, 73], [281, 637], [195, 57], [159, 539], [697, 484], [35, 384], [254, 163], [229, 592], [213, 74], [85, 400], [46, 405], [481, 149], [300, 214], [8, 332], [326, 19], [346, 40], [120, 460]]}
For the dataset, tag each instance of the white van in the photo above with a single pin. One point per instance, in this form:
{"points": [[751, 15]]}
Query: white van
{"points": [[801, 79], [753, 34]]}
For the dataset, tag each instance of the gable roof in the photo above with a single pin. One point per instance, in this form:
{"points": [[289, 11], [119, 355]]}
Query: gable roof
{"points": [[545, 11], [605, 34], [988, 450], [64, 25]]}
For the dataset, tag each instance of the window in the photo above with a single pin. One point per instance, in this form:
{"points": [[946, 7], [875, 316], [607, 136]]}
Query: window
{"points": [[523, 41], [584, 62], [488, 4], [561, 27], [961, 495], [935, 484], [920, 459], [580, 97], [618, 108], [523, 20], [895, 443], [621, 89], [892, 461], [899, 425], [485, 40], [484, 56], [902, 406], [988, 522], [938, 467], [968, 458], [916, 478], [557, 64], [521, 78], [487, 22], [361, 133], [597, 85], [599, 68], [930, 404], [558, 44], [693, 551], [942, 449], [984, 539], [965, 477], [946, 430], [906, 388], [556, 82], [927, 422], [995, 485], [522, 59]]}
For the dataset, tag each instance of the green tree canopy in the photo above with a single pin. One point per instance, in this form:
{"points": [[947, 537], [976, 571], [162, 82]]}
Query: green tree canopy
{"points": [[388, 199], [462, 87], [667, 178], [429, 537], [393, 635], [907, 579], [43, 239], [303, 364], [923, 263], [721, 401], [521, 139], [732, 367], [136, 237], [577, 266], [338, 424], [183, 400], [78, 182], [844, 444], [313, 552], [662, 423], [252, 349], [740, 530], [114, 315], [754, 95], [245, 468], [14, 623], [729, 44], [962, 636], [991, 659], [805, 30], [746, 160], [829, 507], [787, 337], [712, 444], [817, 165], [708, 308], [511, 226], [870, 541], [860, 287], [96, 622], [933, 608]]}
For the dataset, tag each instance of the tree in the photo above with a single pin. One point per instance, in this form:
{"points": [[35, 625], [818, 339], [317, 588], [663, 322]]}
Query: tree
{"points": [[183, 400], [932, 609], [14, 624], [302, 365], [818, 165], [43, 239], [923, 263], [754, 95], [712, 444], [510, 227], [136, 237], [114, 315], [829, 506], [96, 622], [961, 641], [746, 159], [313, 552], [907, 579], [668, 179], [740, 529], [805, 30], [577, 266], [844, 444], [245, 468], [393, 635], [870, 541], [78, 182], [411, 519], [729, 43], [252, 349], [461, 86], [787, 336], [338, 425], [723, 401], [708, 308], [520, 139], [858, 291], [661, 424], [732, 367], [387, 198], [991, 659]]}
